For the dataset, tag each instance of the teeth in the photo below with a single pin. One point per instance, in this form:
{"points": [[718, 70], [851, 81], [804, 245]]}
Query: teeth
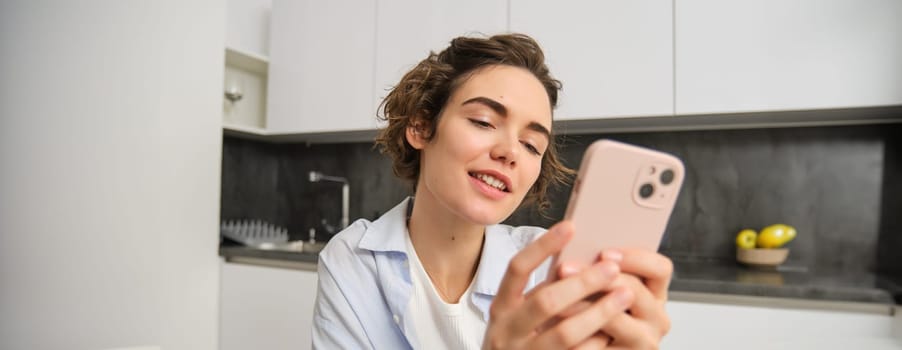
{"points": [[492, 181]]}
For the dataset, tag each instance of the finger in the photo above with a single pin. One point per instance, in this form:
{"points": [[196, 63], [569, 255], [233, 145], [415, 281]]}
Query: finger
{"points": [[537, 288], [576, 308], [553, 299], [645, 306], [521, 266], [568, 268], [576, 329], [629, 333], [598, 341], [655, 269], [571, 310]]}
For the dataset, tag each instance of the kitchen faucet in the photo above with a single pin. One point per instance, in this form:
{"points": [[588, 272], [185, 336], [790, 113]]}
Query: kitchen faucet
{"points": [[316, 176]]}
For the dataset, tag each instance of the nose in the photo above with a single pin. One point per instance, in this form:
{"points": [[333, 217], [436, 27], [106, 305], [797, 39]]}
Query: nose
{"points": [[505, 150]]}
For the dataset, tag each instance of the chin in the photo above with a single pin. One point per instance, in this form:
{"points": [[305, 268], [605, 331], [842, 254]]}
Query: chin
{"points": [[487, 214], [486, 221]]}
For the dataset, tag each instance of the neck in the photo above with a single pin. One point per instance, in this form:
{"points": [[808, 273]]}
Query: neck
{"points": [[448, 246]]}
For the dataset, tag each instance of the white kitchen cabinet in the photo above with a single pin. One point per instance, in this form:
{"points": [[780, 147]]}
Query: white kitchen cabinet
{"points": [[770, 55], [615, 58], [716, 326], [321, 66], [265, 307], [247, 26], [408, 29]]}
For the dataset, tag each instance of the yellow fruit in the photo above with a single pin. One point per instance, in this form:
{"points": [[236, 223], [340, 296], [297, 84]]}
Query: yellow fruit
{"points": [[746, 239], [775, 236]]}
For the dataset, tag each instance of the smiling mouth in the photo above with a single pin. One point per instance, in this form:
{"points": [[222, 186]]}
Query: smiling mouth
{"points": [[491, 181]]}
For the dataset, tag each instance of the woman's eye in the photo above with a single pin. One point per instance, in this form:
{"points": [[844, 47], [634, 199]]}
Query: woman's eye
{"points": [[480, 123], [532, 149]]}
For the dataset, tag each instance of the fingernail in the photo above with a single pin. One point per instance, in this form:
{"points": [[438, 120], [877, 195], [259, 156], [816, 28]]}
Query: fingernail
{"points": [[611, 255], [561, 231], [568, 270], [607, 270], [611, 268], [623, 297]]}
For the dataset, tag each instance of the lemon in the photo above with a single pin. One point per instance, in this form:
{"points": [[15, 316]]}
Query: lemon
{"points": [[775, 236], [746, 239]]}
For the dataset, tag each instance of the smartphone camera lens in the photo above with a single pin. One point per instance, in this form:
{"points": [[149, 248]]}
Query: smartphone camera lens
{"points": [[667, 177], [646, 190]]}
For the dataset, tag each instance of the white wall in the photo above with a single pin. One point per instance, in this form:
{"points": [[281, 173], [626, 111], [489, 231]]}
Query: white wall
{"points": [[110, 144]]}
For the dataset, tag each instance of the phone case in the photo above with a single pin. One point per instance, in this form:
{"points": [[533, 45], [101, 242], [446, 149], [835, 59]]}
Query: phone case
{"points": [[611, 204]]}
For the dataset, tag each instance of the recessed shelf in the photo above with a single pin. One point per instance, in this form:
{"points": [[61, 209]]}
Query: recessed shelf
{"points": [[245, 132], [246, 73], [247, 61], [243, 129]]}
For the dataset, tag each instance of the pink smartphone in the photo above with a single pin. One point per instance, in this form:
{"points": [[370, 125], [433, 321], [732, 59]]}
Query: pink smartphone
{"points": [[622, 198]]}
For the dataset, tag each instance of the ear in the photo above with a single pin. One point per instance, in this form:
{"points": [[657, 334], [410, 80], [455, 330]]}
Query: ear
{"points": [[416, 135]]}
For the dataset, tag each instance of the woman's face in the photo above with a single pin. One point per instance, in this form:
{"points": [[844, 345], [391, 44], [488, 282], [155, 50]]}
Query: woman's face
{"points": [[488, 147]]}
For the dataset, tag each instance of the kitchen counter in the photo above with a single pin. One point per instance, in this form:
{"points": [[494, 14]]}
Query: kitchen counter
{"points": [[784, 282], [272, 258], [733, 283], [726, 282]]}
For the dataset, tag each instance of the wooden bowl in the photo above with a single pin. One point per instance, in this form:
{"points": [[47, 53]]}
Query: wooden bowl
{"points": [[762, 257]]}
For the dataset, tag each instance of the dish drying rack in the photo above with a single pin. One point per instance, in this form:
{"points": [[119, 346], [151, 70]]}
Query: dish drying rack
{"points": [[253, 233]]}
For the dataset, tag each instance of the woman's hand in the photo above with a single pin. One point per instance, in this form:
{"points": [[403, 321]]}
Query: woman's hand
{"points": [[647, 321], [516, 320], [647, 275]]}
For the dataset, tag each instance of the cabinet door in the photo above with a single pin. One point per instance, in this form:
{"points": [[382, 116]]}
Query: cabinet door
{"points": [[265, 307], [766, 55], [615, 58], [247, 26], [321, 66], [717, 326], [408, 29]]}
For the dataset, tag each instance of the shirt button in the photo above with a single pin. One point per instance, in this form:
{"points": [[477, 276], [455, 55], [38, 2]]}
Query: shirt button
{"points": [[397, 319]]}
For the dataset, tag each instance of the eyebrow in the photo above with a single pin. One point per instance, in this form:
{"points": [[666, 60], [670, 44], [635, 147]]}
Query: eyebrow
{"points": [[502, 110]]}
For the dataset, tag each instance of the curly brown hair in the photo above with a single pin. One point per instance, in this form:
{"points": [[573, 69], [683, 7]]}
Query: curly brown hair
{"points": [[422, 93]]}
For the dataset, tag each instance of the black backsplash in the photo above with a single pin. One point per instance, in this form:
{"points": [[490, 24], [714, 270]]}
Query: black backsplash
{"points": [[270, 182], [834, 184]]}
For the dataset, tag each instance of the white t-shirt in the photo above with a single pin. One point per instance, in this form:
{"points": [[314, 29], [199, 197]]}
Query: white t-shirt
{"points": [[439, 325]]}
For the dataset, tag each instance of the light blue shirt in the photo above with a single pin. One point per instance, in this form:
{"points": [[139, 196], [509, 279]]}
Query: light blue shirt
{"points": [[364, 281]]}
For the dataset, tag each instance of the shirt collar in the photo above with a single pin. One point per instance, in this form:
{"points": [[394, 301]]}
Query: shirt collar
{"points": [[386, 235], [497, 251]]}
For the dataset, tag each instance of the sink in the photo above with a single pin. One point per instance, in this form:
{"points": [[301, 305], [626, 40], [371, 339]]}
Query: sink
{"points": [[294, 246], [313, 247]]}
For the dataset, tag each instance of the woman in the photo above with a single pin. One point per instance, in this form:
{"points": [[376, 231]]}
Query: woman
{"points": [[470, 128]]}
